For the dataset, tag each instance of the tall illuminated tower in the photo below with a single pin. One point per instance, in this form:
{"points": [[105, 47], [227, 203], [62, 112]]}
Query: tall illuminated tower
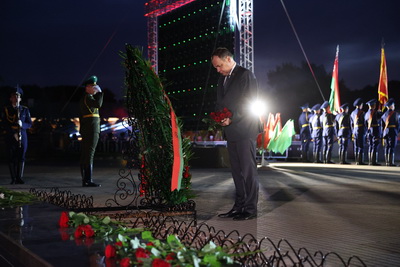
{"points": [[182, 35]]}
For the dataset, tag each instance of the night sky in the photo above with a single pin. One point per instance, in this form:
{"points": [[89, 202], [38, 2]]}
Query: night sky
{"points": [[62, 42]]}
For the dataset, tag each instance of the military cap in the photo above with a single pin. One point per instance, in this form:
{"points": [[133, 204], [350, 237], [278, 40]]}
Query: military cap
{"points": [[92, 80], [389, 102], [17, 91], [304, 106], [316, 107], [358, 102], [344, 106], [325, 104], [371, 102]]}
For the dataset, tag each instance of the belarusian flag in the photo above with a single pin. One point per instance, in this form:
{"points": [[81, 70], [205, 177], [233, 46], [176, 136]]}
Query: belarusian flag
{"points": [[383, 92], [334, 99]]}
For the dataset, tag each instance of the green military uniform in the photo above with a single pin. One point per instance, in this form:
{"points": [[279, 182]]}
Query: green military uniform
{"points": [[90, 130]]}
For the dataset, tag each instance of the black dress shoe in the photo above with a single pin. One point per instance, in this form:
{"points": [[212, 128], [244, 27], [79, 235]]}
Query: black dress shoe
{"points": [[229, 214], [245, 216]]}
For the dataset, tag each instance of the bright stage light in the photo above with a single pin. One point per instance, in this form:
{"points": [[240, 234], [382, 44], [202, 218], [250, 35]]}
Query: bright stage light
{"points": [[258, 107]]}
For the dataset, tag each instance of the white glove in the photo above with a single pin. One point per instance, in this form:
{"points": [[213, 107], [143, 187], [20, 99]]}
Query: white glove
{"points": [[97, 89], [20, 123]]}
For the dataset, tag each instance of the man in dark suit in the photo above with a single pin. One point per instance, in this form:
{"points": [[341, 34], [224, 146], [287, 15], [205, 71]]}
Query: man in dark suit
{"points": [[237, 88], [89, 120], [16, 119]]}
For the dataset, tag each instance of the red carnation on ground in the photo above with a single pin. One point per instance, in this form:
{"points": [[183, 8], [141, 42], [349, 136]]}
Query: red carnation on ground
{"points": [[171, 256], [110, 251], [141, 253], [160, 263], [125, 262], [64, 219]]}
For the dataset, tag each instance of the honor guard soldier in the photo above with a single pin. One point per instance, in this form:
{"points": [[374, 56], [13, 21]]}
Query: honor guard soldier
{"points": [[305, 134], [316, 132], [89, 106], [328, 132], [358, 127], [390, 130], [374, 133], [16, 119], [343, 130]]}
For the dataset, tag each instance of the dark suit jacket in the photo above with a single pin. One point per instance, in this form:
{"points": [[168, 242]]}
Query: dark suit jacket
{"points": [[239, 92]]}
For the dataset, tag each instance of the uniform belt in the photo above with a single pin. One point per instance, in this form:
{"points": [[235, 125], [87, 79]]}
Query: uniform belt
{"points": [[344, 127], [358, 125], [374, 125], [317, 127], [305, 125], [391, 126], [90, 115]]}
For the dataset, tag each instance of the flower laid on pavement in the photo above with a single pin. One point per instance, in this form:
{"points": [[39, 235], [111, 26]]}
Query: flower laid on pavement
{"points": [[131, 250]]}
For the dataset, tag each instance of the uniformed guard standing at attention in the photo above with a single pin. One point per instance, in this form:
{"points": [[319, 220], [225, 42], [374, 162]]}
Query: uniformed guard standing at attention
{"points": [[305, 134], [16, 119], [374, 133], [390, 130], [328, 132], [343, 130], [358, 126], [89, 119], [316, 132]]}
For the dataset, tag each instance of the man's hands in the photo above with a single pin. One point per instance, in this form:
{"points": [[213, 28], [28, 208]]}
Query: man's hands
{"points": [[226, 121]]}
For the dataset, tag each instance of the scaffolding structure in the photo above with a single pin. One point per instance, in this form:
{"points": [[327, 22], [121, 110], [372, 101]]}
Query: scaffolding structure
{"points": [[155, 8]]}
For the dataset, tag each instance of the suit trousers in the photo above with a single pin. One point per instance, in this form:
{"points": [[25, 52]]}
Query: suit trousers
{"points": [[242, 155]]}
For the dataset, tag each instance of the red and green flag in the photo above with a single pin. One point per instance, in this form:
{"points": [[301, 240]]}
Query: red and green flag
{"points": [[334, 99], [383, 92]]}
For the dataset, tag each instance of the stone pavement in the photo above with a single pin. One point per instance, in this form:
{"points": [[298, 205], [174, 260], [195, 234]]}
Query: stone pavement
{"points": [[350, 210]]}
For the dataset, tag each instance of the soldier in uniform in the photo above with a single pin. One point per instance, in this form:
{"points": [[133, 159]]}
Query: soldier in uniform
{"points": [[373, 135], [327, 120], [305, 134], [316, 132], [358, 127], [89, 106], [16, 119], [390, 126], [343, 129]]}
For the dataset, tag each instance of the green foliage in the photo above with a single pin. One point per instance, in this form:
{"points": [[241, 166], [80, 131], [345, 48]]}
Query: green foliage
{"points": [[10, 198], [149, 110]]}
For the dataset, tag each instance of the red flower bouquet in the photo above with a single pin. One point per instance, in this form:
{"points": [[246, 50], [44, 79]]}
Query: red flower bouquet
{"points": [[218, 116]]}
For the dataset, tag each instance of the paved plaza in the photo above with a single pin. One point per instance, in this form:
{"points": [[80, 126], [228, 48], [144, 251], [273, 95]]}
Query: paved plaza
{"points": [[347, 209]]}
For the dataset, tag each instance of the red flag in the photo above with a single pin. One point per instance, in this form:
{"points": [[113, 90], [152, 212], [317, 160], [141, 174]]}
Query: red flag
{"points": [[383, 92], [334, 99]]}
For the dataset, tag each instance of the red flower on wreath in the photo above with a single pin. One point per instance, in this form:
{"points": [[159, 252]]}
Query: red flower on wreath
{"points": [[186, 174], [218, 116], [64, 219]]}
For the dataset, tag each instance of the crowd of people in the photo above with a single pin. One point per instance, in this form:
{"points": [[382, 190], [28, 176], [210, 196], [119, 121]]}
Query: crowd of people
{"points": [[371, 128]]}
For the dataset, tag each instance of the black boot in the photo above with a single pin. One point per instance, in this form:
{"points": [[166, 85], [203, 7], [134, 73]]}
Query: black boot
{"points": [[359, 158], [344, 158], [391, 159], [83, 174], [374, 158], [88, 177], [369, 158], [13, 173], [387, 159], [329, 157], [20, 173]]}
